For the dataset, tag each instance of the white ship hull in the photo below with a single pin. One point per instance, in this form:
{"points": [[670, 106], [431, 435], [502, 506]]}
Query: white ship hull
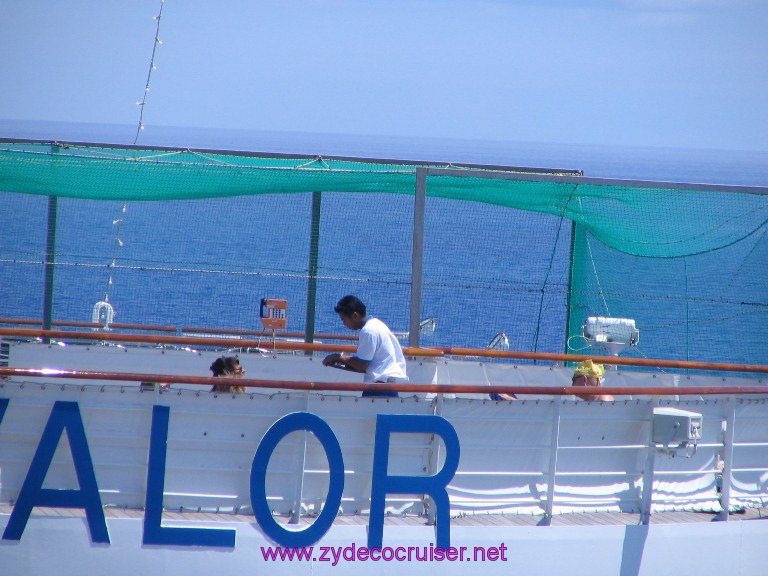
{"points": [[548, 484], [61, 546]]}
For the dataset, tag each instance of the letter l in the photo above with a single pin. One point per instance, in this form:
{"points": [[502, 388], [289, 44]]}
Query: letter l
{"points": [[154, 533]]}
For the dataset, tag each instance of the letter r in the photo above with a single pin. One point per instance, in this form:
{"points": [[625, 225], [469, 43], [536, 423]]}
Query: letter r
{"points": [[435, 485]]}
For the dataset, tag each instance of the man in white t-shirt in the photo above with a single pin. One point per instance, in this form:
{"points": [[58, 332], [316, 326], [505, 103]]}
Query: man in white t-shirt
{"points": [[379, 355]]}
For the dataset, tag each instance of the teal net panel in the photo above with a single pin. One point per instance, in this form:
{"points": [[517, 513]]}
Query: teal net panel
{"points": [[205, 235], [644, 219], [207, 263], [489, 270], [711, 306]]}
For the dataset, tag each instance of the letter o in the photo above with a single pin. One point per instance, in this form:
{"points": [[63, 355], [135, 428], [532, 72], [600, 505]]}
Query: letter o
{"points": [[279, 430]]}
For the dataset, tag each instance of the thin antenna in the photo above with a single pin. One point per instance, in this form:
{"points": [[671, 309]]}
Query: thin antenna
{"points": [[103, 310], [152, 67], [115, 247], [587, 234], [549, 269]]}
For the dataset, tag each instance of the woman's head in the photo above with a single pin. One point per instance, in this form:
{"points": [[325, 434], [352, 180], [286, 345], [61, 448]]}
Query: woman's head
{"points": [[227, 366], [582, 380], [588, 373]]}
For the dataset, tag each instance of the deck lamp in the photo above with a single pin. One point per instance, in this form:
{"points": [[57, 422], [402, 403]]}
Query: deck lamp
{"points": [[428, 326], [499, 342], [613, 334]]}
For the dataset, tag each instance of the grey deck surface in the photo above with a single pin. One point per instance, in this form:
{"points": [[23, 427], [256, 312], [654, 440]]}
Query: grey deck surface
{"points": [[575, 519]]}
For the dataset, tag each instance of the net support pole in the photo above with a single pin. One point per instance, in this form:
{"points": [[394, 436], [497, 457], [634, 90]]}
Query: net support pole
{"points": [[50, 260], [314, 248], [50, 257], [417, 259], [570, 288]]}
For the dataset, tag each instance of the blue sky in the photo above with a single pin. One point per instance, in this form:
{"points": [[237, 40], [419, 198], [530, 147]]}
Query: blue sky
{"points": [[666, 73]]}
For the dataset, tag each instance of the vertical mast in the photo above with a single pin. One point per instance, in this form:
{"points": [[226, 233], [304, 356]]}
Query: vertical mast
{"points": [[50, 256], [50, 261], [314, 247], [570, 289], [417, 260]]}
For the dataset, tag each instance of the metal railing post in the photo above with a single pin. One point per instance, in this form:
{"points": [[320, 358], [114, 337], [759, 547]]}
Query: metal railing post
{"points": [[314, 247], [553, 452], [730, 423], [417, 258], [648, 472], [434, 461], [299, 489]]}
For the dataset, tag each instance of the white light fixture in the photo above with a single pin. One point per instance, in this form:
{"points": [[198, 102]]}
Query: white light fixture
{"points": [[427, 326], [613, 334], [499, 342], [103, 313]]}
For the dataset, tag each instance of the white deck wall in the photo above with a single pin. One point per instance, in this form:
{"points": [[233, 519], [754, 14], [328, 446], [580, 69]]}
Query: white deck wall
{"points": [[513, 456]]}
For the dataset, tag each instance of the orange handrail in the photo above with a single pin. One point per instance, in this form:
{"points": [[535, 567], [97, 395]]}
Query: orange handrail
{"points": [[414, 352], [78, 324], [610, 360], [154, 328], [409, 387], [267, 333], [196, 341]]}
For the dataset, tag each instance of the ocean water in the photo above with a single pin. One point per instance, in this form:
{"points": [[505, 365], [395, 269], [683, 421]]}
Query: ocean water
{"points": [[208, 263]]}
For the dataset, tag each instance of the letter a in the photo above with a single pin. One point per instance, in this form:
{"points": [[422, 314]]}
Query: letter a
{"points": [[65, 415]]}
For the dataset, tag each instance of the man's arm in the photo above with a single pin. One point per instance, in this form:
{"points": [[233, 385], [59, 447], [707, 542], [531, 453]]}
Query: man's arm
{"points": [[344, 362]]}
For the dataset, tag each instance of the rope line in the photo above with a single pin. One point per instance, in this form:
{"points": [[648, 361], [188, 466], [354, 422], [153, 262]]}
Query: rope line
{"points": [[549, 268]]}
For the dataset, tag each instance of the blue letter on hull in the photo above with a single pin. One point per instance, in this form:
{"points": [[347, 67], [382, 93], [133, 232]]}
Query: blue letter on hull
{"points": [[154, 533], [434, 485], [278, 431], [65, 415]]}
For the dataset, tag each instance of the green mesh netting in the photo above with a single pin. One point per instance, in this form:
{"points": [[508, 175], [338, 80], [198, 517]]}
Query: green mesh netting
{"points": [[638, 218], [530, 254], [712, 305]]}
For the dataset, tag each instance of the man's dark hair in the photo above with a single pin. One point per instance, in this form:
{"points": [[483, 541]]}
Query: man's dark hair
{"points": [[349, 305]]}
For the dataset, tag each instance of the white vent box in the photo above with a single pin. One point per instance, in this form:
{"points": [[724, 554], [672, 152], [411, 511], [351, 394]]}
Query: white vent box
{"points": [[675, 426]]}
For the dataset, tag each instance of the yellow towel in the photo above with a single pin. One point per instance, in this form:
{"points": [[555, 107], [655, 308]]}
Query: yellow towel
{"points": [[589, 368]]}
